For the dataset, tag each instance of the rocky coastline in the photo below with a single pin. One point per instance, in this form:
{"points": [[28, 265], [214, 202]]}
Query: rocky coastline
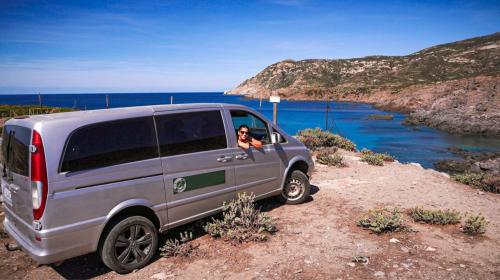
{"points": [[452, 87]]}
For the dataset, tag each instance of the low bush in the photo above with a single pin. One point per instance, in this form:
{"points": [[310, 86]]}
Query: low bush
{"points": [[488, 183], [382, 220], [372, 159], [474, 224], [437, 217], [241, 221], [330, 159], [178, 247], [375, 158], [315, 139], [472, 179]]}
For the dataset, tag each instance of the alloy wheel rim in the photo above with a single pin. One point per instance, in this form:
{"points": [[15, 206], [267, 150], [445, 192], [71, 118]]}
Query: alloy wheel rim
{"points": [[293, 189], [133, 245]]}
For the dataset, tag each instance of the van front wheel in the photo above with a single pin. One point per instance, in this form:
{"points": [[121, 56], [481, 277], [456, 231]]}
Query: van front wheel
{"points": [[296, 189], [130, 244]]}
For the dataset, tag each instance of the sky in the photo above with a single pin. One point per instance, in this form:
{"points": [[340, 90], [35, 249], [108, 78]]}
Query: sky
{"points": [[185, 46]]}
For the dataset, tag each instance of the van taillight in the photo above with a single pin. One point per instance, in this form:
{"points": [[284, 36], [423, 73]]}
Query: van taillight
{"points": [[39, 184]]}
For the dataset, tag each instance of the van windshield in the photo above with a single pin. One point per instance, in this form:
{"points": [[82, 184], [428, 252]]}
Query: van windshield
{"points": [[15, 151]]}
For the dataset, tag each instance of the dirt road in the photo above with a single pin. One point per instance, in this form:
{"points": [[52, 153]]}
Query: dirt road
{"points": [[318, 239]]}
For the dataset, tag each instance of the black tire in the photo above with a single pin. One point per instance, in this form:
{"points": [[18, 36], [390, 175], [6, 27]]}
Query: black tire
{"points": [[296, 189], [127, 246]]}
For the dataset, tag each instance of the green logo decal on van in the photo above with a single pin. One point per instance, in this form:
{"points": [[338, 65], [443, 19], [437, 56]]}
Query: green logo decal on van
{"points": [[197, 181]]}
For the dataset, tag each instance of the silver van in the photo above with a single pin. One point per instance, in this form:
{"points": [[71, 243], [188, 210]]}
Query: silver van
{"points": [[111, 180]]}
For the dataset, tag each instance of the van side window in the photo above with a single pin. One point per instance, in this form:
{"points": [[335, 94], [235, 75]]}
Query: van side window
{"points": [[192, 132], [258, 127], [110, 143]]}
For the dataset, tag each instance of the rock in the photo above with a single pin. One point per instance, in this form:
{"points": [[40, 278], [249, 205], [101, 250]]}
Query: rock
{"points": [[416, 164], [462, 265], [298, 271], [394, 240], [12, 247], [430, 249], [379, 274], [351, 264], [159, 276], [405, 249]]}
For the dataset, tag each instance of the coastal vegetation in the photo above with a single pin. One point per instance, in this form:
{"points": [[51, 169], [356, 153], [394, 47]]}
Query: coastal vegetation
{"points": [[373, 158], [331, 159], [474, 224], [11, 111], [480, 180], [178, 247], [480, 170], [317, 138], [436, 217], [382, 220], [241, 221]]}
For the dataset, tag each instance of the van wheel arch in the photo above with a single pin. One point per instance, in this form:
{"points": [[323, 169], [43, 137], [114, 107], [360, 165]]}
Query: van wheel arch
{"points": [[124, 213], [298, 165]]}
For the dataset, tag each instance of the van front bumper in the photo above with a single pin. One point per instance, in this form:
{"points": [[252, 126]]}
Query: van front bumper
{"points": [[49, 249]]}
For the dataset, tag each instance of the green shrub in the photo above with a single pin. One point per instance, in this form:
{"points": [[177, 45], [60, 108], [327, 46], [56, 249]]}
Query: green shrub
{"points": [[317, 138], [474, 224], [372, 159], [330, 159], [382, 220], [241, 221], [178, 247], [489, 183], [375, 158], [386, 157], [471, 179], [437, 217]]}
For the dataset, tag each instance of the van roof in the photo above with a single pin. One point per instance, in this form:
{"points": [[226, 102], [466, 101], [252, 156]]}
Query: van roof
{"points": [[118, 112]]}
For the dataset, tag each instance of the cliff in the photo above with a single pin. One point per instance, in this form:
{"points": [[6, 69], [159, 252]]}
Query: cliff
{"points": [[454, 87]]}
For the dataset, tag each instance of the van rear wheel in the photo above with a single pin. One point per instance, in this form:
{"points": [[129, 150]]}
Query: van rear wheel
{"points": [[130, 244], [296, 189]]}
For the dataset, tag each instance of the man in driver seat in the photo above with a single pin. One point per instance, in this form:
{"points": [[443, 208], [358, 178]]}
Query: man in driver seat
{"points": [[245, 140]]}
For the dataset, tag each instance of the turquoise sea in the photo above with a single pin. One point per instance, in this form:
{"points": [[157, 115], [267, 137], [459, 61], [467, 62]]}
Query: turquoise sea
{"points": [[408, 144]]}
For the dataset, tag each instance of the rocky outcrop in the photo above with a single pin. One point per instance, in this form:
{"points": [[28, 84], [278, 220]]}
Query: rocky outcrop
{"points": [[453, 87], [486, 162]]}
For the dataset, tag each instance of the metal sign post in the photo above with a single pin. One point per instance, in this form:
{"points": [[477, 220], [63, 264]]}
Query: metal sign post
{"points": [[275, 100]]}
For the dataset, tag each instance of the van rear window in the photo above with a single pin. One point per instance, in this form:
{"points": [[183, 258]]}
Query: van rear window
{"points": [[110, 143], [15, 149]]}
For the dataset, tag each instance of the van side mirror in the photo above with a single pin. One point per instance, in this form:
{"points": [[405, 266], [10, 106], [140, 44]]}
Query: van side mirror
{"points": [[276, 138]]}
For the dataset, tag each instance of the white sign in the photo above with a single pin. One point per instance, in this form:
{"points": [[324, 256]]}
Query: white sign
{"points": [[274, 99]]}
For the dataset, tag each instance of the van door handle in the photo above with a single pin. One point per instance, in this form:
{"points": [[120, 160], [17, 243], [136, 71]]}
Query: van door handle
{"points": [[241, 156], [224, 158], [13, 188]]}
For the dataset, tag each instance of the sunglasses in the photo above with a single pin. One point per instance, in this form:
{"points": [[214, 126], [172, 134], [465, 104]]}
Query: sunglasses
{"points": [[244, 132]]}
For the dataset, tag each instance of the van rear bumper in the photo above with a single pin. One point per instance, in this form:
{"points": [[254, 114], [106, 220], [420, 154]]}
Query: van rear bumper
{"points": [[50, 249]]}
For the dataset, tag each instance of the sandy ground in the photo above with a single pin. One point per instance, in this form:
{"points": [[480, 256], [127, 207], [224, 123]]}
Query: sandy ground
{"points": [[318, 239]]}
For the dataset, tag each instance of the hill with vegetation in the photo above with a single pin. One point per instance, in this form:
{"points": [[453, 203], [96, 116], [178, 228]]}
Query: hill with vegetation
{"points": [[454, 86]]}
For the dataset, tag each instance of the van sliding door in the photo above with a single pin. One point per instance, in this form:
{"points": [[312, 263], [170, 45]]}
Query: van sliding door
{"points": [[197, 164]]}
